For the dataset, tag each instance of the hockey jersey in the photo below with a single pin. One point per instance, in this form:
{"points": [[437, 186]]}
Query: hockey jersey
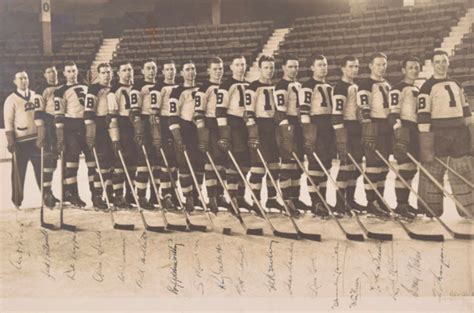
{"points": [[96, 101], [403, 99], [372, 99], [118, 99], [344, 100], [230, 99], [441, 103], [44, 100], [18, 114], [259, 100], [206, 101], [140, 98], [181, 104], [315, 97], [69, 101], [287, 97], [159, 97]]}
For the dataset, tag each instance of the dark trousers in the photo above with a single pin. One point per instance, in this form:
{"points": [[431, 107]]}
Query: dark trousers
{"points": [[25, 151]]}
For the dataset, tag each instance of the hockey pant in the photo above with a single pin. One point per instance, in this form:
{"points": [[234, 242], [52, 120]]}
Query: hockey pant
{"points": [[406, 168], [213, 187], [105, 156], [190, 140], [290, 172], [240, 150], [168, 149]]}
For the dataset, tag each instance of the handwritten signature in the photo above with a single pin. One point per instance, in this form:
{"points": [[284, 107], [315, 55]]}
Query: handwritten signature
{"points": [[46, 255], [175, 284], [271, 275]]}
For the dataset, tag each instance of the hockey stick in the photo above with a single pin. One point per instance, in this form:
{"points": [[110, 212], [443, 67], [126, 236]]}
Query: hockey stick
{"points": [[368, 233], [17, 186], [63, 225], [439, 186], [446, 166], [43, 223], [259, 205], [410, 234], [225, 230], [248, 231], [158, 229], [435, 237], [454, 234], [315, 237], [188, 225], [155, 188], [349, 236], [114, 224]]}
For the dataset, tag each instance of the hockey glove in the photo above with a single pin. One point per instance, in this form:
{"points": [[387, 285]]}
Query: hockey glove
{"points": [[41, 136], [285, 139], [224, 138], [179, 147], [203, 139], [402, 139], [90, 134], [11, 141], [310, 134], [155, 131], [138, 130], [253, 140], [114, 135], [426, 146], [369, 136], [341, 143], [60, 138]]}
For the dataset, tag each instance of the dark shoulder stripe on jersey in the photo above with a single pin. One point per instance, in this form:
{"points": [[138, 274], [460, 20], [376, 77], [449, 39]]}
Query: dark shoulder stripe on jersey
{"points": [[428, 85], [94, 89], [138, 85], [341, 88], [282, 85], [310, 83], [366, 84]]}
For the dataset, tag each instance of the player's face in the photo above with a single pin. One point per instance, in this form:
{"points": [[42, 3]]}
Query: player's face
{"points": [[125, 73], [149, 70], [169, 71], [21, 80], [290, 69], [51, 75], [71, 72], [351, 70], [441, 64], [215, 71], [238, 67], [320, 68], [105, 76], [378, 67], [267, 69], [188, 72], [411, 70]]}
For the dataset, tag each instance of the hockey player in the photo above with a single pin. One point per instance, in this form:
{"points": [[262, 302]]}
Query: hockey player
{"points": [[446, 131], [232, 131], [261, 126], [184, 132], [318, 133], [121, 130], [20, 130], [208, 132], [373, 103], [290, 135], [402, 117], [44, 120], [159, 96], [97, 136], [143, 117], [69, 101]]}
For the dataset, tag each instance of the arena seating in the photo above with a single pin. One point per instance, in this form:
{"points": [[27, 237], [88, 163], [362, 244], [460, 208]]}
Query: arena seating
{"points": [[395, 31], [462, 63], [195, 43]]}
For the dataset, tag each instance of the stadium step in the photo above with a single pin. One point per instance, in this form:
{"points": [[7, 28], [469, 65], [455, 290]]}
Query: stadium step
{"points": [[272, 45], [104, 55], [449, 43]]}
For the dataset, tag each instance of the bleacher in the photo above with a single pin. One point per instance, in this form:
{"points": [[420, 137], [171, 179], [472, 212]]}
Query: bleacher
{"points": [[396, 31], [462, 63], [195, 43]]}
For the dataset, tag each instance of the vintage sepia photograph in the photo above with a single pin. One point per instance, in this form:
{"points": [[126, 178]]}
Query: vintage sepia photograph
{"points": [[236, 156]]}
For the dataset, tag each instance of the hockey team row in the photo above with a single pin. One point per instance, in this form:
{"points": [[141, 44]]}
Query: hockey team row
{"points": [[190, 133]]}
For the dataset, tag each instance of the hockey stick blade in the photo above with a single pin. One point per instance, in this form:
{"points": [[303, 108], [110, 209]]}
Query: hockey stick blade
{"points": [[177, 227], [255, 231], [286, 235], [379, 236], [68, 227], [462, 236], [124, 226], [314, 237], [48, 225], [201, 228], [426, 237]]}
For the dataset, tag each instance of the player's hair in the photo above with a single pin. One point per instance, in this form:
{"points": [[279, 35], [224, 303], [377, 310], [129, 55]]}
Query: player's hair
{"points": [[49, 66], [69, 63], [377, 55], [265, 58], [187, 62], [348, 58], [240, 56], [438, 52], [214, 60], [316, 56], [18, 70], [286, 58], [102, 65], [169, 62], [148, 60], [123, 62], [410, 58]]}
